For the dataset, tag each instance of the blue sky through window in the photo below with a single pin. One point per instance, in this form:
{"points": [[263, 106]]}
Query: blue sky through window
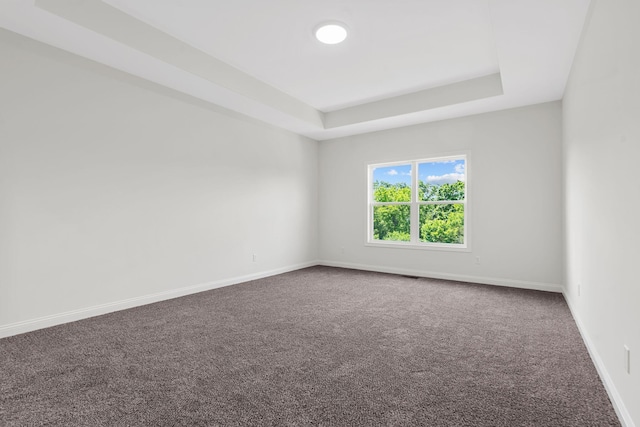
{"points": [[393, 174], [441, 172]]}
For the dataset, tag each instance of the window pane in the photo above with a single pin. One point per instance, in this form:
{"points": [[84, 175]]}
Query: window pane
{"points": [[441, 180], [392, 184], [391, 222], [442, 223]]}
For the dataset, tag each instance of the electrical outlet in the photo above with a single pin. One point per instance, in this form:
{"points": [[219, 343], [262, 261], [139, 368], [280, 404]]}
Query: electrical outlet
{"points": [[255, 257], [477, 260], [579, 288], [627, 359]]}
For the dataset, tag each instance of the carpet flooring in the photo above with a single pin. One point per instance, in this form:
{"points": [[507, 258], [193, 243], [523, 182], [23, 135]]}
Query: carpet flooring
{"points": [[319, 346]]}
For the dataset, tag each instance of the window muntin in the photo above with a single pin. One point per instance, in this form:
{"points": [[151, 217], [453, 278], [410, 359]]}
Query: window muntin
{"points": [[419, 203]]}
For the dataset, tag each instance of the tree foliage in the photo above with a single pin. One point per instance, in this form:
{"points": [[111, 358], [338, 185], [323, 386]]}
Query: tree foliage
{"points": [[432, 192], [442, 223], [391, 222], [385, 192], [439, 223]]}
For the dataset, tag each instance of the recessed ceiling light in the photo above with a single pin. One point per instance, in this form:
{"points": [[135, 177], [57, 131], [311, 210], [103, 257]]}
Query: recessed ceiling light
{"points": [[332, 33]]}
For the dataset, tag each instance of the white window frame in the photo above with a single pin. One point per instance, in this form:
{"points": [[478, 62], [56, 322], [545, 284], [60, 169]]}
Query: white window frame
{"points": [[415, 204]]}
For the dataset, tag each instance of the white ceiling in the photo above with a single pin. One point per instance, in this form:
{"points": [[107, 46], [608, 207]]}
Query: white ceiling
{"points": [[393, 44], [404, 62]]}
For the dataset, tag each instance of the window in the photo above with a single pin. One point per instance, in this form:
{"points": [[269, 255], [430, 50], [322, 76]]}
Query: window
{"points": [[419, 203]]}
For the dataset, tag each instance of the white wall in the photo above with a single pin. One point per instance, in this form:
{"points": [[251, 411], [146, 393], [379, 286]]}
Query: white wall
{"points": [[113, 188], [601, 111], [515, 206]]}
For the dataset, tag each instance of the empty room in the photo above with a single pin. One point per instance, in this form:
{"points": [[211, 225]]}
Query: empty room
{"points": [[335, 213]]}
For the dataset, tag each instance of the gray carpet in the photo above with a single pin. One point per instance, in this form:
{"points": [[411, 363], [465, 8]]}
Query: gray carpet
{"points": [[319, 346]]}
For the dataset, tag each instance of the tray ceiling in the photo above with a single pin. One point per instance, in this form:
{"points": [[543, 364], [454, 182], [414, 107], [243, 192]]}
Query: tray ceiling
{"points": [[404, 62]]}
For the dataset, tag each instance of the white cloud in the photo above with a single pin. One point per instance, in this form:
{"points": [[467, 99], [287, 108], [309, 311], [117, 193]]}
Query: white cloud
{"points": [[406, 173], [448, 178], [460, 168], [392, 172]]}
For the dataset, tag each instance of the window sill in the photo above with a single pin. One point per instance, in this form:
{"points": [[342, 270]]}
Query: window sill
{"points": [[422, 247]]}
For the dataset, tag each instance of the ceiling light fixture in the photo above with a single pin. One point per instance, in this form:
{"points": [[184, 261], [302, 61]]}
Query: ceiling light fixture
{"points": [[331, 33]]}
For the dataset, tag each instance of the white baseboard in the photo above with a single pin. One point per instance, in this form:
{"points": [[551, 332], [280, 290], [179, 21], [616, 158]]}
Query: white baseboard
{"points": [[84, 313], [549, 287], [614, 396]]}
